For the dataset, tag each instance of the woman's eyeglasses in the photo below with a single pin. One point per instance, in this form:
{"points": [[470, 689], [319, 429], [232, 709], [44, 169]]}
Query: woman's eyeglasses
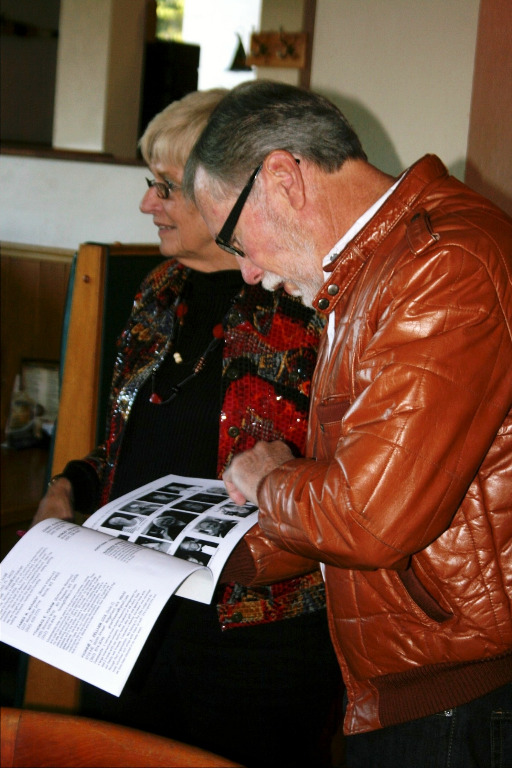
{"points": [[163, 188]]}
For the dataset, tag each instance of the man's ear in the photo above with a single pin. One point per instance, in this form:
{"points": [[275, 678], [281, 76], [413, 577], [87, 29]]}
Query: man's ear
{"points": [[282, 173]]}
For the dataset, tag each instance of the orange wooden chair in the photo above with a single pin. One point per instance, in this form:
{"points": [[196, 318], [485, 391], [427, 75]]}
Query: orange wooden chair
{"points": [[33, 739]]}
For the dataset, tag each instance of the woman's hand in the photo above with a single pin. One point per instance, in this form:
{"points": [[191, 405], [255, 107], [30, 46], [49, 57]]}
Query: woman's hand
{"points": [[57, 502]]}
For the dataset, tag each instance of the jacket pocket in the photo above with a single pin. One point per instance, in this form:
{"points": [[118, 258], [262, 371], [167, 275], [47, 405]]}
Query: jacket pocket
{"points": [[422, 597], [330, 415]]}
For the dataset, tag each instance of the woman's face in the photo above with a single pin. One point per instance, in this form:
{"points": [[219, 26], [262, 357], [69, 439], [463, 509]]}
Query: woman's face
{"points": [[181, 229]]}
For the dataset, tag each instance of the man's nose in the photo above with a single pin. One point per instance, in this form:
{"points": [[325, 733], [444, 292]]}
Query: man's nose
{"points": [[250, 273]]}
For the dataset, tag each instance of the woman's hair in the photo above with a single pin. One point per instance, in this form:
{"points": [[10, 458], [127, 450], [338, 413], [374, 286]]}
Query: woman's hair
{"points": [[260, 116], [172, 133]]}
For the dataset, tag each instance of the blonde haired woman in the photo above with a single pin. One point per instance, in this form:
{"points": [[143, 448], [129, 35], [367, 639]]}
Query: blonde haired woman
{"points": [[207, 366]]}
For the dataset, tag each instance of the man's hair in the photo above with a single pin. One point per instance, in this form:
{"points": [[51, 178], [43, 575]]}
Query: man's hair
{"points": [[260, 116], [172, 133]]}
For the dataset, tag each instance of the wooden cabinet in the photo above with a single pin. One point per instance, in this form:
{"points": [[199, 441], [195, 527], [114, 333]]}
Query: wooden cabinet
{"points": [[23, 483], [34, 282]]}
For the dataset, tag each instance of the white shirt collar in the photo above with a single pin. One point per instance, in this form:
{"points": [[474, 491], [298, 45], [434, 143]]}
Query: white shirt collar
{"points": [[358, 225]]}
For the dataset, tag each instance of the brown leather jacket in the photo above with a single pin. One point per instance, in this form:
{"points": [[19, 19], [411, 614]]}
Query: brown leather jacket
{"points": [[409, 501]]}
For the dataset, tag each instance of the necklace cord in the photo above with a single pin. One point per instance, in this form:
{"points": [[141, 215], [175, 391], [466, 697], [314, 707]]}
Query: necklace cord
{"points": [[218, 336]]}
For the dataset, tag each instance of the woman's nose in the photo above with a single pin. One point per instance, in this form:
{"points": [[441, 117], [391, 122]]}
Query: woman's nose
{"points": [[150, 201]]}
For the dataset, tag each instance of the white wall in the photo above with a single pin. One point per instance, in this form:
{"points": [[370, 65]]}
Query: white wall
{"points": [[61, 203], [400, 69], [402, 72]]}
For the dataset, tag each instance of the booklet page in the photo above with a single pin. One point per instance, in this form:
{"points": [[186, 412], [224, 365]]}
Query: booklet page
{"points": [[84, 602], [190, 518], [85, 598]]}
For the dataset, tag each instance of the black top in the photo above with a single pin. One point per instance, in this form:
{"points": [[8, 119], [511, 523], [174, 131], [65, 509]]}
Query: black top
{"points": [[182, 436]]}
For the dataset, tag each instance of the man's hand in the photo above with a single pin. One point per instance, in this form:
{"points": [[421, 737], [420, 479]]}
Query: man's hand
{"points": [[245, 472], [57, 502]]}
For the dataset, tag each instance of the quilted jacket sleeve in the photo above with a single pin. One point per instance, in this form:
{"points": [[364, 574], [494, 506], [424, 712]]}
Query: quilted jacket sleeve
{"points": [[256, 561]]}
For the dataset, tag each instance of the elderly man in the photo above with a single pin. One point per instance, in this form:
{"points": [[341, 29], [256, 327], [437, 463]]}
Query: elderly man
{"points": [[406, 494]]}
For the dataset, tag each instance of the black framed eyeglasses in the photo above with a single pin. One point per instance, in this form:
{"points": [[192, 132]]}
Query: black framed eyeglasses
{"points": [[163, 188], [225, 236]]}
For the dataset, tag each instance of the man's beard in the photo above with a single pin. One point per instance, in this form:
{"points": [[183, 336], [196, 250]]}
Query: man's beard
{"points": [[306, 291], [304, 283]]}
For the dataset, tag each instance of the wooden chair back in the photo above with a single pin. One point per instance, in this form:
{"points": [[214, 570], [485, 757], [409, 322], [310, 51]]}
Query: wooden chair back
{"points": [[102, 287]]}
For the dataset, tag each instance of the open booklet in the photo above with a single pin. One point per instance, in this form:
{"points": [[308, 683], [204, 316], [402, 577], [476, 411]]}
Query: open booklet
{"points": [[85, 598]]}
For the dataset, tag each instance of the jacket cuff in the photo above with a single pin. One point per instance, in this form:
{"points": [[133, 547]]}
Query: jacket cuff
{"points": [[256, 561], [240, 566]]}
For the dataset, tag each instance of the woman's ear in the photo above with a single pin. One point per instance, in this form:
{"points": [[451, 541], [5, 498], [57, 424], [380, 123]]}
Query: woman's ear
{"points": [[283, 176]]}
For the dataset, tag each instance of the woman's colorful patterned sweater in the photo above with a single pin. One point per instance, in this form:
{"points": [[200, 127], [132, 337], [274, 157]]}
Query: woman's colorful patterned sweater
{"points": [[269, 354]]}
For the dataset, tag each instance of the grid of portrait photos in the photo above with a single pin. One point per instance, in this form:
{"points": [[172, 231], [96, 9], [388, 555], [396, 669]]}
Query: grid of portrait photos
{"points": [[181, 518]]}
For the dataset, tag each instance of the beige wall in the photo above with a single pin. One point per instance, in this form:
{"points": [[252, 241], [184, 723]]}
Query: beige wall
{"points": [[402, 72]]}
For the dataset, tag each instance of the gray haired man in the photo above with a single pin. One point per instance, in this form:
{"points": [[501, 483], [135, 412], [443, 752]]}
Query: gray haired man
{"points": [[405, 494]]}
